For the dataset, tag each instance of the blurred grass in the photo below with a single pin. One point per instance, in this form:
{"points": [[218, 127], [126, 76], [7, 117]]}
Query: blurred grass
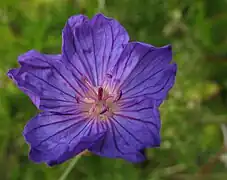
{"points": [[191, 117]]}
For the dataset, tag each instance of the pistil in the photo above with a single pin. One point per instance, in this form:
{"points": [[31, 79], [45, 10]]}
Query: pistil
{"points": [[100, 93]]}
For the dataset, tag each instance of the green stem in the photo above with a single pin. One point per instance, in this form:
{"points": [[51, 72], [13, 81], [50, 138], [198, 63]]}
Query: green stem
{"points": [[69, 168]]}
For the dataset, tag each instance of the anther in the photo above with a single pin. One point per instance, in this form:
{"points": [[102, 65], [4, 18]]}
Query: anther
{"points": [[86, 82], [103, 111], [109, 76], [118, 96], [77, 99]]}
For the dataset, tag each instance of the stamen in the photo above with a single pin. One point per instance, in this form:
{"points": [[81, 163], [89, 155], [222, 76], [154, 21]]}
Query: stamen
{"points": [[91, 91], [108, 97], [116, 85], [103, 111], [100, 93], [77, 99], [92, 110], [101, 101], [109, 76], [118, 96], [87, 83]]}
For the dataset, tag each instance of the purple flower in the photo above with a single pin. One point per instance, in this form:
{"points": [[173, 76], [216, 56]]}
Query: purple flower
{"points": [[101, 94]]}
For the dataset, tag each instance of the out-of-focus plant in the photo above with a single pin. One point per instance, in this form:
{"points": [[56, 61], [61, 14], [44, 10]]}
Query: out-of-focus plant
{"points": [[192, 115]]}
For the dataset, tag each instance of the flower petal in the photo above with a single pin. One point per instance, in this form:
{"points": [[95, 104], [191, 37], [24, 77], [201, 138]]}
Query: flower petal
{"points": [[80, 147], [114, 145], [135, 127], [55, 137], [95, 47], [63, 153], [139, 123], [46, 81], [144, 71]]}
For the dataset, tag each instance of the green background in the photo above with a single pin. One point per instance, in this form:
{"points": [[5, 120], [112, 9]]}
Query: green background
{"points": [[192, 116]]}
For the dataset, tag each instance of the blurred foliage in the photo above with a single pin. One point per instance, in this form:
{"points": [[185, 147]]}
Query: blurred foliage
{"points": [[191, 117]]}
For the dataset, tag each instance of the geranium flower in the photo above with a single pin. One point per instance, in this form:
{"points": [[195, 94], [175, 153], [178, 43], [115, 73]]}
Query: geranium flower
{"points": [[101, 94]]}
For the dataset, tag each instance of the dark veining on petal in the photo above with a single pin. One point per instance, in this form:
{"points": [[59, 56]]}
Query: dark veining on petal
{"points": [[81, 59], [90, 129], [102, 144], [94, 52], [86, 58], [57, 106], [80, 131], [144, 81], [139, 61], [73, 111], [133, 95], [124, 104], [52, 123], [50, 84], [112, 43], [114, 140], [128, 58], [136, 119], [62, 76], [138, 110], [75, 76], [67, 58], [103, 57], [115, 120], [68, 127], [61, 100], [119, 133]]}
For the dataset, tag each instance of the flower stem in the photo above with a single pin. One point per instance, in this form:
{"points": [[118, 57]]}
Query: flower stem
{"points": [[69, 168]]}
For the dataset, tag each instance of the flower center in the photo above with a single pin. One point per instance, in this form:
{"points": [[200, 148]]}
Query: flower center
{"points": [[99, 102]]}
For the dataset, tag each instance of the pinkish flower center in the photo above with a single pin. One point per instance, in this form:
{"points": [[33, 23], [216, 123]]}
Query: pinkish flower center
{"points": [[100, 102]]}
